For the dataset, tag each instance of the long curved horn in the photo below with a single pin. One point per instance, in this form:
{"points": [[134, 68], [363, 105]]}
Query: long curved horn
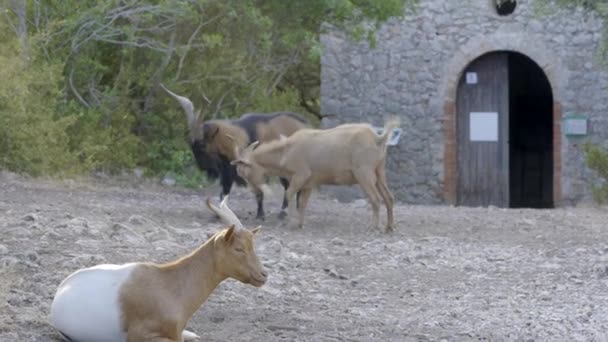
{"points": [[225, 213], [186, 105], [251, 147]]}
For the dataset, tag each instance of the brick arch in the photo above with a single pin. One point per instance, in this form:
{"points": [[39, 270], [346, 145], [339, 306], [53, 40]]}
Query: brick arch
{"points": [[525, 44]]}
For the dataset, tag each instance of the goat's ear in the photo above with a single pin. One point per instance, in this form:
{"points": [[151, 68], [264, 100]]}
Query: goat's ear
{"points": [[229, 235], [210, 131], [256, 230]]}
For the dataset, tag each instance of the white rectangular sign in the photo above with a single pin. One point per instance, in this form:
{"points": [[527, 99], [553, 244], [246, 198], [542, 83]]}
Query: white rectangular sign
{"points": [[471, 78], [575, 126], [483, 126]]}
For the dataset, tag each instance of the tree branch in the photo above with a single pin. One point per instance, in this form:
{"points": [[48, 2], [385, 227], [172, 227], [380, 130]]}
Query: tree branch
{"points": [[76, 93]]}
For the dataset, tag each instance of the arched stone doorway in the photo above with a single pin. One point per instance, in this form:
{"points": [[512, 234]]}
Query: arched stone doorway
{"points": [[521, 42], [504, 133]]}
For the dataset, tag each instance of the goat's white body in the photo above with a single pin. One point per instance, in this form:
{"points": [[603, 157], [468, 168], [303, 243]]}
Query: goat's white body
{"points": [[86, 307]]}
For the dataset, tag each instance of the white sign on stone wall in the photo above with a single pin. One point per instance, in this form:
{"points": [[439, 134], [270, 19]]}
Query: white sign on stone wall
{"points": [[575, 125], [483, 126]]}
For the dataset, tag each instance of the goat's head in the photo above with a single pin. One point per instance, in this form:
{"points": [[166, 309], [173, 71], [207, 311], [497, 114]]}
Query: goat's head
{"points": [[200, 131], [235, 255], [246, 167], [208, 162]]}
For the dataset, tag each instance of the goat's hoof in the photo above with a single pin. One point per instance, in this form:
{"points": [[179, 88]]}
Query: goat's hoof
{"points": [[260, 217], [282, 215]]}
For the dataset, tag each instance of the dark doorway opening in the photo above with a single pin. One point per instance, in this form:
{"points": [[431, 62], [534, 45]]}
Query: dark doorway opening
{"points": [[530, 134]]}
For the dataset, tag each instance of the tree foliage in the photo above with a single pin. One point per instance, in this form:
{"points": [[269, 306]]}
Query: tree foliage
{"points": [[81, 77], [597, 160]]}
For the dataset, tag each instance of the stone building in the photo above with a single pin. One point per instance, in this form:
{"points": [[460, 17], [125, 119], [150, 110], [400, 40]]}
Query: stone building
{"points": [[495, 101]]}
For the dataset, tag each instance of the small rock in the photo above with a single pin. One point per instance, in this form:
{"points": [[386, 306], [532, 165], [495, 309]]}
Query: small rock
{"points": [[546, 296], [168, 180], [3, 250], [334, 274], [216, 319], [33, 256], [274, 246], [360, 203], [337, 242], [100, 174], [136, 219], [31, 217], [138, 172], [8, 262], [84, 260], [81, 222], [295, 291]]}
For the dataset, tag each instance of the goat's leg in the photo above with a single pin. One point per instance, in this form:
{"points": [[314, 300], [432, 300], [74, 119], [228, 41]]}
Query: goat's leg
{"points": [[367, 181], [285, 184], [387, 196], [259, 197], [303, 195], [226, 181], [295, 186]]}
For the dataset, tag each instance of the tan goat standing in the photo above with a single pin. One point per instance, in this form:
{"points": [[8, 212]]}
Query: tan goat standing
{"points": [[344, 155], [144, 301]]}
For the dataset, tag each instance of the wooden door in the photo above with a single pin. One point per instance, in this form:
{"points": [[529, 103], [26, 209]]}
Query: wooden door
{"points": [[482, 124]]}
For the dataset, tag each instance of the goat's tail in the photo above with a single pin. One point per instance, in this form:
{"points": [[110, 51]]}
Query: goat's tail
{"points": [[389, 125]]}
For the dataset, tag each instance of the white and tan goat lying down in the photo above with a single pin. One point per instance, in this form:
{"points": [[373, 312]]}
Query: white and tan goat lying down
{"points": [[344, 155], [143, 301]]}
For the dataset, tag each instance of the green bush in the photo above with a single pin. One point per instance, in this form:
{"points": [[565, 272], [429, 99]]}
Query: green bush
{"points": [[597, 160], [33, 138], [103, 142]]}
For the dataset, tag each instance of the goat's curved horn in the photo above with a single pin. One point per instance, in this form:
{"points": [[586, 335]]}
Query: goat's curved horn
{"points": [[251, 147], [186, 105], [225, 213]]}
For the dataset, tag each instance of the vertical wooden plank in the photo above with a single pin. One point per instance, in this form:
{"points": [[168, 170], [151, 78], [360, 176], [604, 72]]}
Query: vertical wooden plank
{"points": [[483, 167], [557, 153]]}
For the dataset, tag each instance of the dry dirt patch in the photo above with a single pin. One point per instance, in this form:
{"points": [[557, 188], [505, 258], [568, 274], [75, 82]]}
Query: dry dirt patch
{"points": [[453, 274]]}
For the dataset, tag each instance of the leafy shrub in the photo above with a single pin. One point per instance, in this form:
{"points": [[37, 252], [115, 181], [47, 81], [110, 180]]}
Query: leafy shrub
{"points": [[597, 160], [33, 137]]}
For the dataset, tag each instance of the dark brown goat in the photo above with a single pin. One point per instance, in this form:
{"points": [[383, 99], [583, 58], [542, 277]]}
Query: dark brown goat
{"points": [[212, 143]]}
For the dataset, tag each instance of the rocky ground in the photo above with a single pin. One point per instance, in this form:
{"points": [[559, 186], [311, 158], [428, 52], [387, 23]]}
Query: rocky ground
{"points": [[447, 274]]}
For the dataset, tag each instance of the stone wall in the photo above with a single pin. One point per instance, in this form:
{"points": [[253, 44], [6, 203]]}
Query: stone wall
{"points": [[415, 67]]}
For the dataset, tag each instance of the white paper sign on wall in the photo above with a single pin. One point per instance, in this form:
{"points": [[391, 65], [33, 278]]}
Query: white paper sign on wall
{"points": [[575, 125], [483, 126], [395, 135], [471, 77]]}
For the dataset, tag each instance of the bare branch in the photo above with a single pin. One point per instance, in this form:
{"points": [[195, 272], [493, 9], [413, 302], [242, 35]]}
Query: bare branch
{"points": [[76, 93], [188, 46]]}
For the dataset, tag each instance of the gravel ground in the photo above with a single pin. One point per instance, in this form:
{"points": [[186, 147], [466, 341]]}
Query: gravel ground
{"points": [[446, 274]]}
